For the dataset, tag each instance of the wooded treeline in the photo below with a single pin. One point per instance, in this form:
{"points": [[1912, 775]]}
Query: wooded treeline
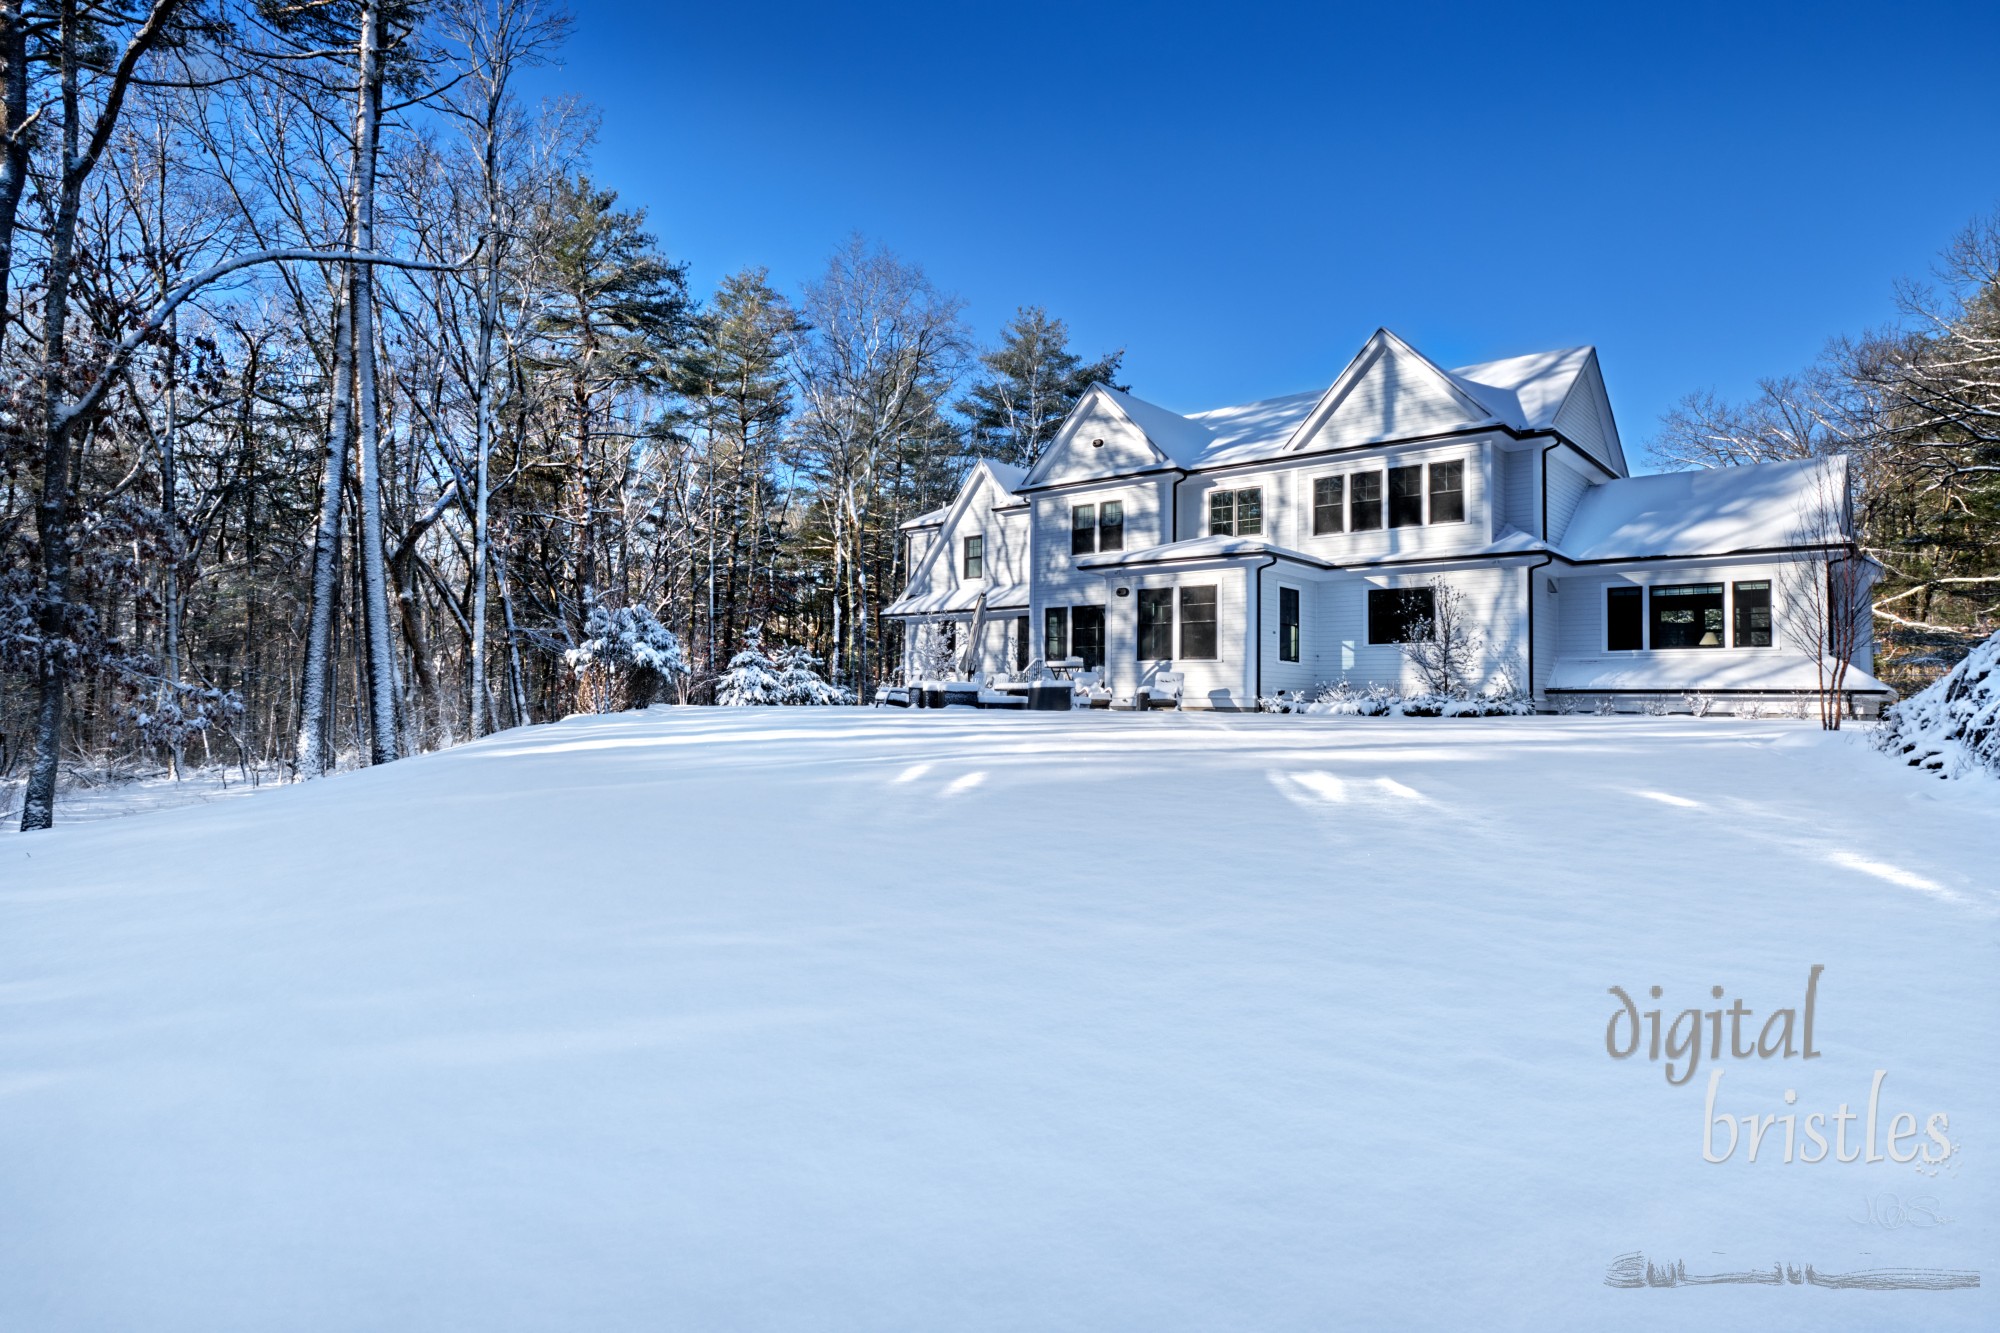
{"points": [[339, 395], [1916, 407]]}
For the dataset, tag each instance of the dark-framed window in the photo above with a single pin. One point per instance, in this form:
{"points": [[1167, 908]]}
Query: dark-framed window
{"points": [[1086, 635], [1406, 496], [1288, 624], [1198, 622], [1753, 614], [1055, 633], [1237, 513], [1021, 643], [1624, 619], [1447, 492], [1156, 624], [1364, 502], [1399, 615], [1111, 526], [1329, 505], [1687, 615], [1082, 529], [975, 557]]}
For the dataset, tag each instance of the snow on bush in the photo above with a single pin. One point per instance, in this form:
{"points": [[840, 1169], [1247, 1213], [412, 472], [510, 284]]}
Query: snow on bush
{"points": [[1344, 700], [788, 677], [625, 659], [1953, 728], [799, 681]]}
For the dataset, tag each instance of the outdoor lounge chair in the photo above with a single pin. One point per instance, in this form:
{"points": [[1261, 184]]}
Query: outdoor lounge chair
{"points": [[1091, 689], [1164, 691]]}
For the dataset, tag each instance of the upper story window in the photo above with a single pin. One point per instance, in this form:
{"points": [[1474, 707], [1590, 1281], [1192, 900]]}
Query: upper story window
{"points": [[1406, 496], [1448, 492], [1329, 505], [1097, 527], [975, 557], [1237, 513], [1364, 501]]}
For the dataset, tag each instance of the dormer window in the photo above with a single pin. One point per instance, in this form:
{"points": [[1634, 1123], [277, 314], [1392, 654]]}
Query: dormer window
{"points": [[1237, 513], [975, 557]]}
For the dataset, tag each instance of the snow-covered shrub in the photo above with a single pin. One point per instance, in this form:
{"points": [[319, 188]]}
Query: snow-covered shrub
{"points": [[1657, 708], [752, 678], [799, 681], [1491, 705], [1750, 708], [1444, 647], [1343, 700], [1951, 728], [1606, 706], [626, 658], [1697, 703], [934, 655]]}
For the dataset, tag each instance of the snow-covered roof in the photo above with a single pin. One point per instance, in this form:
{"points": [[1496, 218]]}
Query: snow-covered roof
{"points": [[1005, 475], [1717, 511], [1526, 392], [960, 599], [1705, 671], [1198, 548], [930, 518], [1521, 392]]}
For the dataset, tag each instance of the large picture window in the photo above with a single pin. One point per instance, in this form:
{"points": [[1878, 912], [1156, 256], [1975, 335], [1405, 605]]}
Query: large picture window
{"points": [[1111, 526], [1687, 615], [1406, 496], [1364, 501], [1082, 529], [1624, 619], [1753, 614], [975, 557], [1055, 633], [1198, 622], [1447, 492], [1156, 624], [1329, 505], [1236, 513], [1399, 615], [1288, 624]]}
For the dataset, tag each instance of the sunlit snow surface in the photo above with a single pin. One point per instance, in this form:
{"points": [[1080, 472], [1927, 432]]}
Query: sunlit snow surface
{"points": [[837, 1019]]}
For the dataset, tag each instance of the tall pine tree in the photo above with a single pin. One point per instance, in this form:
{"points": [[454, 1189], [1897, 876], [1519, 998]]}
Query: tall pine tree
{"points": [[1032, 381]]}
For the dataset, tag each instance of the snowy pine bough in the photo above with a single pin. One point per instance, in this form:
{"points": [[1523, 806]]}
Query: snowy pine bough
{"points": [[625, 661], [1953, 727]]}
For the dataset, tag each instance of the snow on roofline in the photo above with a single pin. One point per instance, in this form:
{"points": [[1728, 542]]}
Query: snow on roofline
{"points": [[1716, 511], [999, 597]]}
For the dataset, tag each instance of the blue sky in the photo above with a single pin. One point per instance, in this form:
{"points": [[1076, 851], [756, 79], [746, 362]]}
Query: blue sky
{"points": [[1239, 197]]}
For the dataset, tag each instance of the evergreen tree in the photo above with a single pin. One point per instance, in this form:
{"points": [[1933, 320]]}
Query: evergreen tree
{"points": [[752, 678], [1032, 381], [799, 681]]}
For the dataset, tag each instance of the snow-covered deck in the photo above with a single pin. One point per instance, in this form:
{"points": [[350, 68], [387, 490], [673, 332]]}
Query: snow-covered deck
{"points": [[844, 1019]]}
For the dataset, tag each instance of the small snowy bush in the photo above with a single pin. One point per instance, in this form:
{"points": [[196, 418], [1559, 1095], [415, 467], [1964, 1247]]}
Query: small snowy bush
{"points": [[751, 679], [1697, 703], [626, 658], [799, 681], [1952, 728]]}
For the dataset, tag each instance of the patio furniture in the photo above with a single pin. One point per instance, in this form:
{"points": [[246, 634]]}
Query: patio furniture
{"points": [[1091, 689], [1051, 696], [1163, 691], [961, 694], [894, 696]]}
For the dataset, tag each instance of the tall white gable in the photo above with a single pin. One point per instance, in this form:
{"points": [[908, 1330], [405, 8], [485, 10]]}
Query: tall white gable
{"points": [[1076, 454], [1388, 392]]}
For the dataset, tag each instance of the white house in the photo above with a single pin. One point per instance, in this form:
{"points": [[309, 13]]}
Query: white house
{"points": [[1293, 542]]}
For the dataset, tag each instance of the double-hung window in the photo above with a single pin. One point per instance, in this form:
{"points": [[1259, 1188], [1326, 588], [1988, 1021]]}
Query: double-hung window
{"points": [[1156, 624], [1097, 527], [1406, 496], [1288, 624], [1238, 513], [1753, 614], [1364, 502], [1329, 505], [1055, 633], [1083, 529], [1198, 622], [1447, 492], [975, 557]]}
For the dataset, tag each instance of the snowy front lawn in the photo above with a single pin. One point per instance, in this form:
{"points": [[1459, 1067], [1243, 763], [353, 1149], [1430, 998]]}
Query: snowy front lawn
{"points": [[844, 1019]]}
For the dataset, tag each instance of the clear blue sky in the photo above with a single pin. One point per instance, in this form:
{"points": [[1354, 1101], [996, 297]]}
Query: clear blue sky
{"points": [[1239, 197]]}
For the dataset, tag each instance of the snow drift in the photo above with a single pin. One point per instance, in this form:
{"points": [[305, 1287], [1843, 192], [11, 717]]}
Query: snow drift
{"points": [[1952, 728]]}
